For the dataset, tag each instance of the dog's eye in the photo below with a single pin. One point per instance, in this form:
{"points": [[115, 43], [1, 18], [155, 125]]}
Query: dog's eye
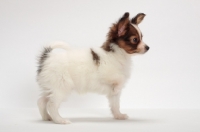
{"points": [[135, 40]]}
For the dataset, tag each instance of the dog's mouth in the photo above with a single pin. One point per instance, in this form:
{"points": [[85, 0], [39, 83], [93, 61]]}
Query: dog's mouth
{"points": [[140, 51]]}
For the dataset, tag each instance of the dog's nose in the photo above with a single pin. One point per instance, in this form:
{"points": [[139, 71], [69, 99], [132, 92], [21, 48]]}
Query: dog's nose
{"points": [[147, 48]]}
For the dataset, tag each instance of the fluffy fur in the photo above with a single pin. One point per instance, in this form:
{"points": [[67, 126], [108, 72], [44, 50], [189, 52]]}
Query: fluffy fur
{"points": [[101, 70]]}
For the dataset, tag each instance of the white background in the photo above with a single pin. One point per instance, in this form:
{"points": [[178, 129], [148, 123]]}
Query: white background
{"points": [[168, 76]]}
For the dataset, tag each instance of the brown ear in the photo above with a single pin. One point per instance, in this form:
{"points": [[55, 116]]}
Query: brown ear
{"points": [[138, 18], [123, 24]]}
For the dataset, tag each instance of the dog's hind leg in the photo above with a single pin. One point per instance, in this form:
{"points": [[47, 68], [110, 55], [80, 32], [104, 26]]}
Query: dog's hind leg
{"points": [[53, 104], [42, 105]]}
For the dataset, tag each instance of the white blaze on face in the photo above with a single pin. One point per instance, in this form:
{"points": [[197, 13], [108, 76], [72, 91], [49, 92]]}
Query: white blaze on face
{"points": [[141, 45]]}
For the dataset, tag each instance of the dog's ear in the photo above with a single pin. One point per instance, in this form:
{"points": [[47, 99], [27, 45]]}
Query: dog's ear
{"points": [[138, 18], [122, 24]]}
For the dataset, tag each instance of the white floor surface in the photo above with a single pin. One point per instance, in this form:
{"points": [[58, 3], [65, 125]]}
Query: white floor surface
{"points": [[100, 120]]}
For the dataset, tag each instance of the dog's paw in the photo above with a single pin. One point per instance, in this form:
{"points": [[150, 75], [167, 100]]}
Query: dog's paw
{"points": [[121, 116], [62, 121], [47, 118]]}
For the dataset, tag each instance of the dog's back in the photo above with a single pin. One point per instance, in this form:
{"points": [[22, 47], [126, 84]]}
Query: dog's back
{"points": [[77, 69]]}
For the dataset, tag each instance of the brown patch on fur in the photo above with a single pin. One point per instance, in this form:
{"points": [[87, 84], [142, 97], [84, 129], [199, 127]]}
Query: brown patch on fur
{"points": [[106, 46], [111, 38], [95, 57]]}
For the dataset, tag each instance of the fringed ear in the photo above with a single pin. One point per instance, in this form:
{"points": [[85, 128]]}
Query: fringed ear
{"points": [[123, 24], [138, 18]]}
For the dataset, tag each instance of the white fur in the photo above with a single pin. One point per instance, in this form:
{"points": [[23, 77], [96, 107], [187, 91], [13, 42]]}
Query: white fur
{"points": [[76, 70]]}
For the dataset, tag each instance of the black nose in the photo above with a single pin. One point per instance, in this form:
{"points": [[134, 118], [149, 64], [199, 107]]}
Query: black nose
{"points": [[147, 48]]}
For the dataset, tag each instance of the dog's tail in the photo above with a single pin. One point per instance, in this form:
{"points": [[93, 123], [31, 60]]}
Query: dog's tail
{"points": [[47, 50], [60, 45]]}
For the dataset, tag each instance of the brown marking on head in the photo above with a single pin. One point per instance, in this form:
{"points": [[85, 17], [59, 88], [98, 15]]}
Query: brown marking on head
{"points": [[124, 34], [116, 30], [130, 41], [95, 57]]}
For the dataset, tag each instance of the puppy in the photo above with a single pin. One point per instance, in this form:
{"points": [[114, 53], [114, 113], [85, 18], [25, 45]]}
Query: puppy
{"points": [[102, 70]]}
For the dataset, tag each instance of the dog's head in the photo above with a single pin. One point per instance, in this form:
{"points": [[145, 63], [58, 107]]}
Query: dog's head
{"points": [[127, 35]]}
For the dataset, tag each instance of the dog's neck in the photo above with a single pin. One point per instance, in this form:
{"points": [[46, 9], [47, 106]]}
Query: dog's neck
{"points": [[115, 51]]}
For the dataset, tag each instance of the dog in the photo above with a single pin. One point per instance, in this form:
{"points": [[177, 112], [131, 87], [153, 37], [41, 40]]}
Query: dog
{"points": [[103, 70]]}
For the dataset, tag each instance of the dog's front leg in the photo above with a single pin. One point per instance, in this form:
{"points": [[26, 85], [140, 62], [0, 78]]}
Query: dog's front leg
{"points": [[114, 101]]}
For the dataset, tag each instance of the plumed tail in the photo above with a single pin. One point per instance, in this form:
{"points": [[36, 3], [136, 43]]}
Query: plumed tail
{"points": [[60, 45], [47, 50], [43, 57]]}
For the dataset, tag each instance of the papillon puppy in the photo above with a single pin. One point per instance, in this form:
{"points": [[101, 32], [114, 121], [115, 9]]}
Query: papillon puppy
{"points": [[103, 70]]}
